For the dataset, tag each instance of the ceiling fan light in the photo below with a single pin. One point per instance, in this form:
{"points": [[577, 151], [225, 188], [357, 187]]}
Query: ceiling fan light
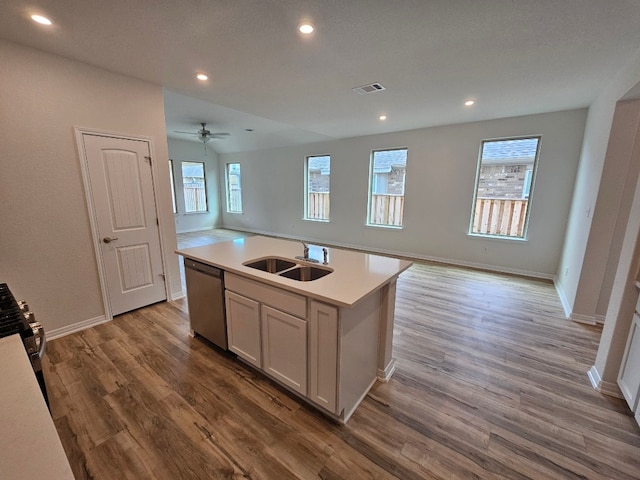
{"points": [[306, 28], [41, 20]]}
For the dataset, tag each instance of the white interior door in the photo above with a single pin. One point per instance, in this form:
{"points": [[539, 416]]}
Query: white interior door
{"points": [[121, 184]]}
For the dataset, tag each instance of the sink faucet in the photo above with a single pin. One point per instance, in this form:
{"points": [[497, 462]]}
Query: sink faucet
{"points": [[305, 257], [324, 253]]}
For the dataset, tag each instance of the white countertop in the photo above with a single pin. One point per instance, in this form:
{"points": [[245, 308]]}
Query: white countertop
{"points": [[355, 274], [29, 443]]}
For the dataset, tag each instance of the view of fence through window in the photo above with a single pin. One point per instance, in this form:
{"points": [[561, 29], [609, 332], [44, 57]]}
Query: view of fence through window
{"points": [[193, 184], [386, 187], [506, 170], [234, 188], [317, 186]]}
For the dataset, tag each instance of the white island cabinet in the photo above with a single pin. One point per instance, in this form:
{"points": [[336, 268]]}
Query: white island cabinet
{"points": [[629, 378], [326, 340]]}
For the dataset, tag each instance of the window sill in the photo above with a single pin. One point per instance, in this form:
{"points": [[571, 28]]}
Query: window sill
{"points": [[318, 220], [385, 227], [498, 237], [196, 213], [234, 213]]}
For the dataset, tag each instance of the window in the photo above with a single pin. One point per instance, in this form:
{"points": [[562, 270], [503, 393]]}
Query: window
{"points": [[234, 188], [504, 181], [386, 187], [193, 184], [317, 183], [173, 186]]}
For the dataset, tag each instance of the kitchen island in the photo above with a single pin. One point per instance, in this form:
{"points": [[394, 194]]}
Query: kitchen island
{"points": [[327, 339], [29, 443]]}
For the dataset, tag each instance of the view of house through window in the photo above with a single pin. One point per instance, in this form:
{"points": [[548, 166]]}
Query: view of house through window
{"points": [[193, 184], [317, 184], [386, 187], [234, 188], [173, 186], [506, 170]]}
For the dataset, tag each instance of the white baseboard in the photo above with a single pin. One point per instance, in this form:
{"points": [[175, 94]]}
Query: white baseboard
{"points": [[394, 253], [75, 327], [384, 375], [177, 295], [586, 319], [607, 388], [576, 317], [566, 305]]}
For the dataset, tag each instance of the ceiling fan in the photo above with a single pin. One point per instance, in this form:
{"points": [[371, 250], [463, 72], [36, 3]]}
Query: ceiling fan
{"points": [[205, 135]]}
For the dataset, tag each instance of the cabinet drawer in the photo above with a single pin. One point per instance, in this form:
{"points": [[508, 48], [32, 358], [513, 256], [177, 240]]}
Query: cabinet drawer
{"points": [[283, 300]]}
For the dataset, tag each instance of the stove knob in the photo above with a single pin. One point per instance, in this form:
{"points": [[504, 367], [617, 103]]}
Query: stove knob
{"points": [[30, 316], [23, 306]]}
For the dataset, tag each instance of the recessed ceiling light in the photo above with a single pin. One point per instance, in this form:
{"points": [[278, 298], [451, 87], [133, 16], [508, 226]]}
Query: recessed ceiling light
{"points": [[41, 20], [468, 103], [382, 117], [202, 77], [306, 28]]}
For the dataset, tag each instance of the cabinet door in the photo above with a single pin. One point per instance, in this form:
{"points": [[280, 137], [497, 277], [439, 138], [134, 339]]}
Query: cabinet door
{"points": [[284, 348], [629, 380], [243, 327], [323, 355]]}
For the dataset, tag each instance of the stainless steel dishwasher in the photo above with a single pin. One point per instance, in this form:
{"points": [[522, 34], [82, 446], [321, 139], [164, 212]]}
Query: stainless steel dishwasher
{"points": [[205, 297]]}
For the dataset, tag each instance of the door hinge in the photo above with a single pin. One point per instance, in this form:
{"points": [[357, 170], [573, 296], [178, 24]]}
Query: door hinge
{"points": [[157, 221], [162, 275], [148, 158]]}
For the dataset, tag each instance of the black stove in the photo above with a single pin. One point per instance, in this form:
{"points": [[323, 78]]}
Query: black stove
{"points": [[15, 317], [12, 318]]}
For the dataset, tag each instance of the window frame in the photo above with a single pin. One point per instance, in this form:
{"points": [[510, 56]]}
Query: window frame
{"points": [[204, 179], [228, 189], [529, 192], [374, 178], [305, 215], [172, 181]]}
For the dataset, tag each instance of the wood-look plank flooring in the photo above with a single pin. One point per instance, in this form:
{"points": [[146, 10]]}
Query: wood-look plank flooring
{"points": [[490, 384]]}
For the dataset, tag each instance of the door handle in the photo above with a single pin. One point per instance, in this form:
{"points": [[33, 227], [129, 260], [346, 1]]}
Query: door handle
{"points": [[109, 240]]}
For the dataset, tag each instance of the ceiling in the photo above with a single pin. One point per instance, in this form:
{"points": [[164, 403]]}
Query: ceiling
{"points": [[512, 57]]}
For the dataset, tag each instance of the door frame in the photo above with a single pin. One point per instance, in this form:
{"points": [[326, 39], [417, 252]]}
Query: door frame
{"points": [[93, 220]]}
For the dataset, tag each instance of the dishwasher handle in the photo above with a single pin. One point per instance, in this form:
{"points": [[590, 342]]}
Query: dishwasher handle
{"points": [[202, 267]]}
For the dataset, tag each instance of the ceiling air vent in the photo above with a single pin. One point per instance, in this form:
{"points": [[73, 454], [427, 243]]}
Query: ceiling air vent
{"points": [[370, 88]]}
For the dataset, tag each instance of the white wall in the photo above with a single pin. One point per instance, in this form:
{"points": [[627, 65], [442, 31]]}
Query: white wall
{"points": [[597, 199], [185, 151], [624, 293], [47, 254], [441, 170]]}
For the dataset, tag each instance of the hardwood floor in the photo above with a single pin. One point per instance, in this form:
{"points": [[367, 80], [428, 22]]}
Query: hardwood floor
{"points": [[206, 237], [490, 384]]}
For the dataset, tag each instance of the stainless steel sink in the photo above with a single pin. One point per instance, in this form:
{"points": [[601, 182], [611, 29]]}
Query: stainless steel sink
{"points": [[270, 264], [306, 273]]}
